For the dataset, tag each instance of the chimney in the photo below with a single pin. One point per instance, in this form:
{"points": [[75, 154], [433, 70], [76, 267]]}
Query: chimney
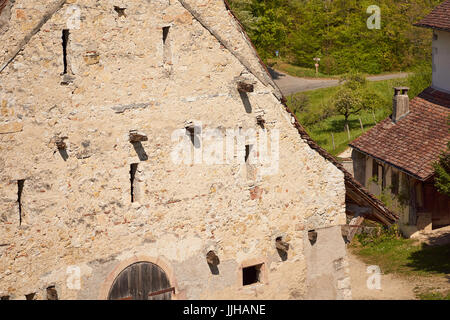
{"points": [[400, 103]]}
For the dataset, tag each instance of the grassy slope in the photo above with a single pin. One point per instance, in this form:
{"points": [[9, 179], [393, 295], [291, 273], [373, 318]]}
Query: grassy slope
{"points": [[321, 132]]}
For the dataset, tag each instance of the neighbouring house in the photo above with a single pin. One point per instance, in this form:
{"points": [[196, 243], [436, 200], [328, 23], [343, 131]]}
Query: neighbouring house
{"points": [[123, 174], [395, 158]]}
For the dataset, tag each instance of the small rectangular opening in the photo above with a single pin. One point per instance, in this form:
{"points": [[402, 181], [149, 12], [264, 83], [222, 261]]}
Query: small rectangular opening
{"points": [[165, 34], [251, 275], [65, 41], [52, 294], [133, 169], [20, 184], [4, 298], [30, 296]]}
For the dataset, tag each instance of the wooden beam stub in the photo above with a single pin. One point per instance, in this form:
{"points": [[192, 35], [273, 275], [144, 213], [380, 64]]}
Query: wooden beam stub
{"points": [[245, 86]]}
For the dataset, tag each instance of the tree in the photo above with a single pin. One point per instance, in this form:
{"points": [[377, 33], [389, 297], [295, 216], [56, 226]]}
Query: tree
{"points": [[442, 170], [347, 102]]}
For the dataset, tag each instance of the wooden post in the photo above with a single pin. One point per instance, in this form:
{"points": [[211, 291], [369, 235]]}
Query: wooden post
{"points": [[348, 131], [332, 139], [354, 224], [360, 122], [374, 119]]}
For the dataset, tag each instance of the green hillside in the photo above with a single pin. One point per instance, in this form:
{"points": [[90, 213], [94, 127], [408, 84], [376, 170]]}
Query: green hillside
{"points": [[337, 32]]}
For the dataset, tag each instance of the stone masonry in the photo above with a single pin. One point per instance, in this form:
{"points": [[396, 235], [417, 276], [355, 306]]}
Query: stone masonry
{"points": [[122, 70]]}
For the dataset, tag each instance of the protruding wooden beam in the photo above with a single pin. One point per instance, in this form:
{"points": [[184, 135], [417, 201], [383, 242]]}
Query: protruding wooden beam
{"points": [[212, 258], [245, 86], [136, 136], [260, 120], [60, 143], [281, 245]]}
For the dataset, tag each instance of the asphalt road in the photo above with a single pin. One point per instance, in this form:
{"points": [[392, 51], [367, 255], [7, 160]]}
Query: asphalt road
{"points": [[290, 85]]}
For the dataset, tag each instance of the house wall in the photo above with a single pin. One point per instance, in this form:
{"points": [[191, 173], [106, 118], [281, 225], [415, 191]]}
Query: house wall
{"points": [[76, 208], [431, 209], [441, 61]]}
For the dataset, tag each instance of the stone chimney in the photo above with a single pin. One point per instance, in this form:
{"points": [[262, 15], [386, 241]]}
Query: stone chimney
{"points": [[400, 103]]}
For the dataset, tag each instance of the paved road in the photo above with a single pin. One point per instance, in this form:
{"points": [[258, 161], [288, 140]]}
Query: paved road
{"points": [[290, 85]]}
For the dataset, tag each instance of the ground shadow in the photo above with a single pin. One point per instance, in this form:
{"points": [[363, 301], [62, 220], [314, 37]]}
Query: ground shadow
{"points": [[246, 102], [140, 151], [275, 74], [283, 254], [431, 259], [214, 269], [63, 153], [193, 135]]}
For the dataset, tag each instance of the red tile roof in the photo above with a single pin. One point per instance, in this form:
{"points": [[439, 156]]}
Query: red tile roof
{"points": [[415, 141], [439, 18]]}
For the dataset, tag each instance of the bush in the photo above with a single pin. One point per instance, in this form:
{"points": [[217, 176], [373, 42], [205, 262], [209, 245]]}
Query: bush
{"points": [[378, 235]]}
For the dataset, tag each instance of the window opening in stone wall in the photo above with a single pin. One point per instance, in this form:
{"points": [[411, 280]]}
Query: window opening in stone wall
{"points": [[312, 236], [65, 41], [251, 275], [52, 294], [133, 169], [248, 149], [120, 11], [20, 184], [166, 45]]}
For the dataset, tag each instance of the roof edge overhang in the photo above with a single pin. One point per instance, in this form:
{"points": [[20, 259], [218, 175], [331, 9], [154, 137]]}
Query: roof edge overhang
{"points": [[415, 176], [427, 26]]}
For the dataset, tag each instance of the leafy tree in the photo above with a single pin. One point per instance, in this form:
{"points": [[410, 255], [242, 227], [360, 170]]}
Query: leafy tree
{"points": [[442, 170], [336, 31], [347, 102]]}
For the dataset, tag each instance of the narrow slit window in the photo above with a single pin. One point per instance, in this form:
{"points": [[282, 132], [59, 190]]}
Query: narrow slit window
{"points": [[166, 45], [65, 41], [248, 149], [133, 169], [20, 184], [251, 275], [165, 34]]}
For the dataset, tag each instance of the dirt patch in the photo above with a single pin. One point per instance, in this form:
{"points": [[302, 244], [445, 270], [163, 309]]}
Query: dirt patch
{"points": [[393, 287]]}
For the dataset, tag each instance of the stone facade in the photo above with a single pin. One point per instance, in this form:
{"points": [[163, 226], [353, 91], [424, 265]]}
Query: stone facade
{"points": [[122, 73]]}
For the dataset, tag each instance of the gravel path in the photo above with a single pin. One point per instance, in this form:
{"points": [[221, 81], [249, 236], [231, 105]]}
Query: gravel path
{"points": [[290, 85], [392, 287]]}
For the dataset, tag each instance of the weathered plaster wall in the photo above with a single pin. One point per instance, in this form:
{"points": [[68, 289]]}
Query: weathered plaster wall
{"points": [[328, 275], [78, 211], [441, 61]]}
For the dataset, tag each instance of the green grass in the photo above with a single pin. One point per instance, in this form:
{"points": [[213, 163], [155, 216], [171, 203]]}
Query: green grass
{"points": [[406, 256], [321, 130], [431, 295], [427, 266]]}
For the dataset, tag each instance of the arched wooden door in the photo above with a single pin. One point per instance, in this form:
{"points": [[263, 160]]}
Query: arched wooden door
{"points": [[141, 281]]}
